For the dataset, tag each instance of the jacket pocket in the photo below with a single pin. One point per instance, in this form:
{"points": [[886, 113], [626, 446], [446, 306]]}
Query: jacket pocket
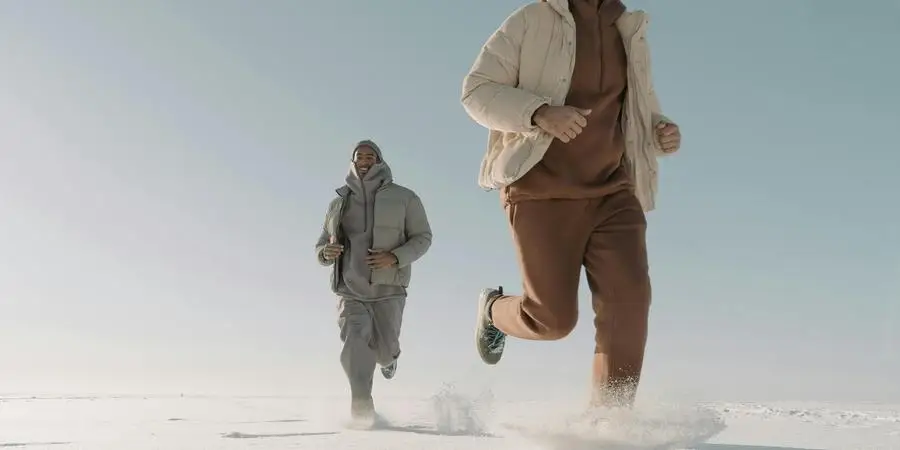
{"points": [[391, 276]]}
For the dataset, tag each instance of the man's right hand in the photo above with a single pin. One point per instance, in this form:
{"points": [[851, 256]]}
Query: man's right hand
{"points": [[562, 122], [332, 251]]}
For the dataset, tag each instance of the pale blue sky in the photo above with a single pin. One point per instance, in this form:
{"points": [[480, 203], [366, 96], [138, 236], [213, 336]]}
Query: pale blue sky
{"points": [[165, 167]]}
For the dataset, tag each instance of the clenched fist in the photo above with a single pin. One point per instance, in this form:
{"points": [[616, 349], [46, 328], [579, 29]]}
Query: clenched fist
{"points": [[561, 122], [669, 137], [332, 250]]}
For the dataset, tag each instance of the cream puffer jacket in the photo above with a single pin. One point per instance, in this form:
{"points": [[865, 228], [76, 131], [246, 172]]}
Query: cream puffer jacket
{"points": [[527, 62]]}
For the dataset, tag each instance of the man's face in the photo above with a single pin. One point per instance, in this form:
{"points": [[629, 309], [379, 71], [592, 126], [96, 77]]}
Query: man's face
{"points": [[364, 159]]}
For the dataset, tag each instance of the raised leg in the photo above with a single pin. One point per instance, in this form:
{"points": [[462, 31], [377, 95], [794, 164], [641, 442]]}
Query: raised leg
{"points": [[388, 321], [550, 238]]}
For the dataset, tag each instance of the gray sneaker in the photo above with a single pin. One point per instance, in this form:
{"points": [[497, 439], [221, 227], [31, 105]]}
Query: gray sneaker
{"points": [[488, 339], [389, 370]]}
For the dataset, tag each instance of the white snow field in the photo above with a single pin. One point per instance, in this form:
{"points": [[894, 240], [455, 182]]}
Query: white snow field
{"points": [[446, 421]]}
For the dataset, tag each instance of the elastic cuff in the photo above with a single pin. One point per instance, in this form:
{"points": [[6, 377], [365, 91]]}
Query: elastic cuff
{"points": [[530, 110]]}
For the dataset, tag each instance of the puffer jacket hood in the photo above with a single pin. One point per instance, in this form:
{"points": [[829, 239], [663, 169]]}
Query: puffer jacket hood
{"points": [[370, 144], [379, 174]]}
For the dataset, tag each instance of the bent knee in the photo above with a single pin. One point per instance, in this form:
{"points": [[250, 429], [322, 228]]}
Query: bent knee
{"points": [[559, 330], [551, 320], [556, 326]]}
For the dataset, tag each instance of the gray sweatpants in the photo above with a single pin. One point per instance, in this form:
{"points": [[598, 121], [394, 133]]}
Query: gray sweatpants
{"points": [[370, 332]]}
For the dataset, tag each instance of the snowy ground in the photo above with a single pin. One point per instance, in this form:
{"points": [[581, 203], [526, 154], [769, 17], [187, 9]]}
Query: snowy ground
{"points": [[446, 421]]}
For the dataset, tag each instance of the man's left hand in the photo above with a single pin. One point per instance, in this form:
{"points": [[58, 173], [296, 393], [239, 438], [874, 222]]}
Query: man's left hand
{"points": [[669, 137], [381, 259]]}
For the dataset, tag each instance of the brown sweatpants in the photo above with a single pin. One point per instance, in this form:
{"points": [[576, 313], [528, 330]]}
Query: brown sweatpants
{"points": [[554, 239]]}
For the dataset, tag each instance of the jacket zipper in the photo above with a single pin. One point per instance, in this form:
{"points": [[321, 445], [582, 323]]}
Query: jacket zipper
{"points": [[374, 211]]}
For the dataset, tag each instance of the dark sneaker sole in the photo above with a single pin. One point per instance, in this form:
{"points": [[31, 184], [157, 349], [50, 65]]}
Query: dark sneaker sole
{"points": [[390, 371], [482, 323]]}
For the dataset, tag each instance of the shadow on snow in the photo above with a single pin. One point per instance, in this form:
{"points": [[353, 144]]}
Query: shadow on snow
{"points": [[236, 435], [744, 447], [29, 444]]}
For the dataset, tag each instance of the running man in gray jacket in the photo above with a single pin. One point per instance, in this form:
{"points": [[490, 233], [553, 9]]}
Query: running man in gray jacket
{"points": [[374, 230]]}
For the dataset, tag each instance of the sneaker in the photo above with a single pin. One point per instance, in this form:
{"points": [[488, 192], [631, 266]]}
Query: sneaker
{"points": [[389, 370], [488, 339]]}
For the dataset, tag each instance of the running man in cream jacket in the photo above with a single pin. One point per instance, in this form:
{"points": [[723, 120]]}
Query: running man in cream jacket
{"points": [[575, 129]]}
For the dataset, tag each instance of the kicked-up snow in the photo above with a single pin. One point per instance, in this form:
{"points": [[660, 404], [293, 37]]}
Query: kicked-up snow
{"points": [[448, 420]]}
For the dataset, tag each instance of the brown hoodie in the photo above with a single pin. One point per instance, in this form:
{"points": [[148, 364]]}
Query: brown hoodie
{"points": [[590, 165]]}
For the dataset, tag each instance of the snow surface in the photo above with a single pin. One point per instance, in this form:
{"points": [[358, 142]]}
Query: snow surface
{"points": [[448, 420]]}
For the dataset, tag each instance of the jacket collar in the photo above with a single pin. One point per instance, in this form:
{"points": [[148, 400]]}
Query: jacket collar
{"points": [[629, 23], [344, 190]]}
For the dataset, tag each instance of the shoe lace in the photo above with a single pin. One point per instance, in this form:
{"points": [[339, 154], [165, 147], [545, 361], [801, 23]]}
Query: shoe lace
{"points": [[496, 339]]}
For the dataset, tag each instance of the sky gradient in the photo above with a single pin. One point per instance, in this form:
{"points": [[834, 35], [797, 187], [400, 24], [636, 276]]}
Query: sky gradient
{"points": [[165, 167]]}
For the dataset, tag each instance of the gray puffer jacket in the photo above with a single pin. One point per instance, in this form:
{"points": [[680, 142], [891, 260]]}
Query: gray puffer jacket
{"points": [[374, 213]]}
